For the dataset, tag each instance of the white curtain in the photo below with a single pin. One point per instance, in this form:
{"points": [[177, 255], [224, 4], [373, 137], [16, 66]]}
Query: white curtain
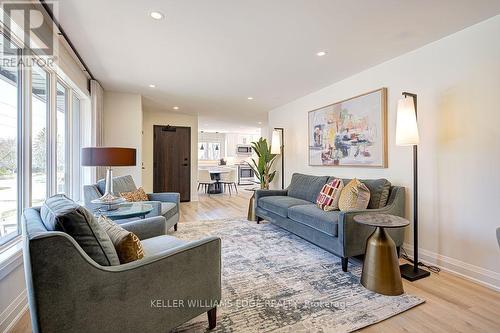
{"points": [[97, 103]]}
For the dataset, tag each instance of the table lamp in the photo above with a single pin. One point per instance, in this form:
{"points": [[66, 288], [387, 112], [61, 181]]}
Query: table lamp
{"points": [[407, 135], [108, 157]]}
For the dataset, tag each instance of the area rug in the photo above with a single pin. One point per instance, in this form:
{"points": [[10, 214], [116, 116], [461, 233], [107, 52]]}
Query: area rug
{"points": [[274, 281]]}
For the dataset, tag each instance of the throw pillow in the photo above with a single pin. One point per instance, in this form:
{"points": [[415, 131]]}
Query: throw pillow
{"points": [[137, 195], [127, 244], [60, 213], [328, 198], [354, 196]]}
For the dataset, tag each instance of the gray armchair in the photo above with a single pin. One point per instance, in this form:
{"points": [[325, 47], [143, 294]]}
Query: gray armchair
{"points": [[165, 204], [69, 292]]}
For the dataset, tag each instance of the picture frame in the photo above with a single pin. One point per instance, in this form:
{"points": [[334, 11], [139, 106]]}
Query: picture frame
{"points": [[350, 133]]}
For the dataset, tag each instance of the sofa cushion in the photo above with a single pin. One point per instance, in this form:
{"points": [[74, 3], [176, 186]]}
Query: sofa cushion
{"points": [[379, 191], [306, 187], [59, 213], [168, 209], [159, 244], [120, 184], [280, 204], [316, 218], [127, 244], [354, 196], [135, 195], [328, 198]]}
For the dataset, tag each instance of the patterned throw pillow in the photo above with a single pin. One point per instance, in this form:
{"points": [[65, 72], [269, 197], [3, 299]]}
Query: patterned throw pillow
{"points": [[127, 244], [137, 195], [328, 198], [354, 196]]}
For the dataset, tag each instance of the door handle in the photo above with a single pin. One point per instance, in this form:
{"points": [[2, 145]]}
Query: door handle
{"points": [[185, 164]]}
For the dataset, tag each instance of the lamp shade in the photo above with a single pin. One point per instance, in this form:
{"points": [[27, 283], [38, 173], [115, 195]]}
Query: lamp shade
{"points": [[406, 123], [276, 142], [108, 156]]}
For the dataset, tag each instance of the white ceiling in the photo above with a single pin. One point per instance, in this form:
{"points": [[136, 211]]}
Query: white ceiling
{"points": [[207, 57]]}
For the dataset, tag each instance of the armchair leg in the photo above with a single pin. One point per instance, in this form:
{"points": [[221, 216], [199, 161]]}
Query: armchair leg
{"points": [[259, 219], [398, 250], [345, 261], [235, 188], [212, 318], [175, 227]]}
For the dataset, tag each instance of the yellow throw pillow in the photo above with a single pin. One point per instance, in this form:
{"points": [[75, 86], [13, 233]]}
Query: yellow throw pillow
{"points": [[354, 196], [127, 244], [137, 195]]}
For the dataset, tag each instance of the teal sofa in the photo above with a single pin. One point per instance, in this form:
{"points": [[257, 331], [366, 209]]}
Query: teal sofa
{"points": [[294, 209], [73, 288]]}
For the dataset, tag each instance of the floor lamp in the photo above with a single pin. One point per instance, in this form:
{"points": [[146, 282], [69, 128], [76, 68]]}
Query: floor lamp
{"points": [[407, 135], [278, 148]]}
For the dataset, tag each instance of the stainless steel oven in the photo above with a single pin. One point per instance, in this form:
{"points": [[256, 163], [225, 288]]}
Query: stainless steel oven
{"points": [[246, 176]]}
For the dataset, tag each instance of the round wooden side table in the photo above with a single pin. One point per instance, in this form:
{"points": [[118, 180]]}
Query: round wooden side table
{"points": [[381, 265], [251, 205]]}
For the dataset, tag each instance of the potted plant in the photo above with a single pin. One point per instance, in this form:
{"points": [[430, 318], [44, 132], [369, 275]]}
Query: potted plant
{"points": [[262, 167]]}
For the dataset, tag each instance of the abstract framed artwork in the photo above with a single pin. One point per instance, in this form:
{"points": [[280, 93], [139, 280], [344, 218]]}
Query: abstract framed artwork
{"points": [[352, 132]]}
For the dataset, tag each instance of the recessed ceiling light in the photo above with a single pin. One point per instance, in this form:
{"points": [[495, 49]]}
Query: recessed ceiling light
{"points": [[321, 53], [260, 122], [156, 15], [250, 98], [152, 86], [175, 108]]}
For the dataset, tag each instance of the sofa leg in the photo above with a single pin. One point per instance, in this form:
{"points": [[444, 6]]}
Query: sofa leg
{"points": [[344, 264], [258, 220], [212, 318], [175, 227]]}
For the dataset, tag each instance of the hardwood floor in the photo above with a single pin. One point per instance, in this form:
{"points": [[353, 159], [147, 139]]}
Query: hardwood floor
{"points": [[452, 304]]}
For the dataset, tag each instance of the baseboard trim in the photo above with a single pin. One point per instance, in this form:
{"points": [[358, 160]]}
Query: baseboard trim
{"points": [[13, 313], [482, 276]]}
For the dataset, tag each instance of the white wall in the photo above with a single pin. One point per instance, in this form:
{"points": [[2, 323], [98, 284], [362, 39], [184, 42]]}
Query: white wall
{"points": [[161, 117], [457, 80], [123, 128]]}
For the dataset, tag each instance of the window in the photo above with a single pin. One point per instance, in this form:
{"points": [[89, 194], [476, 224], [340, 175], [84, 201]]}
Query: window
{"points": [[77, 142], [209, 150], [9, 134], [61, 149], [39, 114], [40, 140]]}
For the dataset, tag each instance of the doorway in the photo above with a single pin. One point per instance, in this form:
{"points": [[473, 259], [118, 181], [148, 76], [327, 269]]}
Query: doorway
{"points": [[172, 160]]}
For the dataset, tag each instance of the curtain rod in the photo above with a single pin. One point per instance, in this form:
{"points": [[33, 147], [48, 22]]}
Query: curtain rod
{"points": [[61, 31]]}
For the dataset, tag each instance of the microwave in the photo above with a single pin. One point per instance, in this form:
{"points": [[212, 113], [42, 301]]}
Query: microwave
{"points": [[243, 150]]}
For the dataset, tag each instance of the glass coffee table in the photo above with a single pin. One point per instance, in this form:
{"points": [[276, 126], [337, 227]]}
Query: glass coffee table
{"points": [[126, 211]]}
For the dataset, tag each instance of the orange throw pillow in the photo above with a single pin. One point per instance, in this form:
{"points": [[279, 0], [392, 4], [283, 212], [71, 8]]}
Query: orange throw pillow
{"points": [[137, 195]]}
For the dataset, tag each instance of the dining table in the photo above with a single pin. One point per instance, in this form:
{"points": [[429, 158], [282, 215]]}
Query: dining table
{"points": [[215, 175]]}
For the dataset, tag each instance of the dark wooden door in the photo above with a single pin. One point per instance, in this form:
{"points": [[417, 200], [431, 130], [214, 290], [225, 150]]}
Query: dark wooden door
{"points": [[172, 160]]}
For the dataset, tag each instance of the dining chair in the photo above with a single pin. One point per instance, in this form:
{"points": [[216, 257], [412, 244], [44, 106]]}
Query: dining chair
{"points": [[229, 180], [204, 180]]}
